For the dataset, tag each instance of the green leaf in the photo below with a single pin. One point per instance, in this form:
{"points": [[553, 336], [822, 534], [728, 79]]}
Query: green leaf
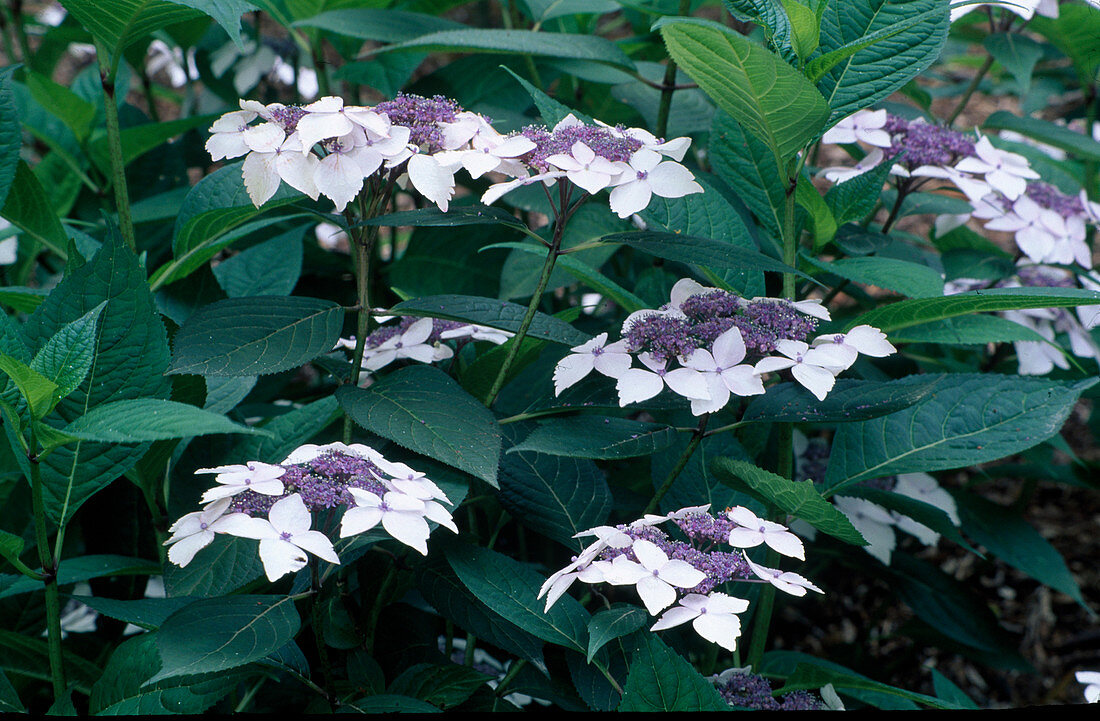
{"points": [[970, 419], [120, 23], [596, 437], [149, 613], [76, 112], [543, 10], [800, 500], [908, 313], [818, 212], [509, 588], [1076, 32], [68, 355], [749, 168], [11, 137], [216, 634], [1081, 146], [553, 495], [813, 677], [255, 336], [523, 42], [875, 71], [849, 401], [948, 606], [24, 655], [381, 25], [269, 268], [29, 208], [784, 664], [140, 139], [951, 693], [769, 98], [854, 198], [455, 216], [11, 546], [1008, 536], [661, 680], [967, 330], [38, 391], [217, 204], [772, 16], [805, 28], [121, 690], [707, 215], [150, 419], [9, 699], [493, 313], [1017, 53], [551, 111], [83, 568], [612, 623], [901, 276], [130, 359], [387, 703], [441, 685], [699, 251], [285, 432], [584, 272], [423, 409], [223, 567], [458, 604]]}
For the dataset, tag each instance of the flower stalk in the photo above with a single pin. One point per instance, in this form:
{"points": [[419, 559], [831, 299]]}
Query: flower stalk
{"points": [[49, 571]]}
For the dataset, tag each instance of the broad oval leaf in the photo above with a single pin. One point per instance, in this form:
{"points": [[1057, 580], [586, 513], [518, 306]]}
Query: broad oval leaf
{"points": [[150, 419], [925, 310], [850, 400], [772, 100], [661, 680], [612, 623], [255, 336], [912, 280], [509, 589], [875, 71], [597, 437], [524, 42], [215, 634], [423, 409], [969, 419], [699, 251]]}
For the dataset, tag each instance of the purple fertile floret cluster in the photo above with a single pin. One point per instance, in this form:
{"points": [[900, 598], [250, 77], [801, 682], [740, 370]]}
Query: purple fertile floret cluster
{"points": [[287, 117], [704, 531], [926, 144], [421, 116], [604, 142], [747, 690], [1049, 197], [708, 315], [1037, 276], [322, 483]]}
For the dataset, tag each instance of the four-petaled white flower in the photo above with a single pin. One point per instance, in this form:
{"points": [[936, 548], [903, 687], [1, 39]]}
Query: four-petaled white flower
{"points": [[195, 531], [610, 359], [253, 476], [403, 516], [873, 522], [866, 126], [864, 339], [411, 343], [752, 531], [714, 617], [580, 569], [232, 136], [647, 175], [724, 372], [814, 368], [285, 537], [785, 581], [654, 574], [639, 384], [262, 171], [1004, 171], [584, 168]]}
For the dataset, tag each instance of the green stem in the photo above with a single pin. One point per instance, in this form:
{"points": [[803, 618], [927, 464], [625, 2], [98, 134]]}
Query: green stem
{"points": [[376, 609], [763, 616], [513, 671], [1091, 175], [970, 89], [669, 84], [696, 439], [114, 143], [532, 307], [363, 239], [49, 570]]}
